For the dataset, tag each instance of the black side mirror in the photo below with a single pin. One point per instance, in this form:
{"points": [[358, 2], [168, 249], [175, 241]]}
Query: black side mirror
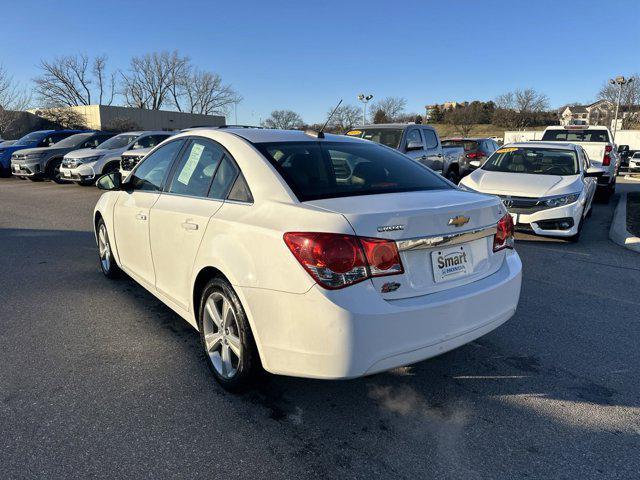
{"points": [[110, 181], [623, 148]]}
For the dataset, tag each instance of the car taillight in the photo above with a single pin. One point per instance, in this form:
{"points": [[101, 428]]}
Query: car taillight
{"points": [[337, 260], [504, 235], [606, 161], [475, 155]]}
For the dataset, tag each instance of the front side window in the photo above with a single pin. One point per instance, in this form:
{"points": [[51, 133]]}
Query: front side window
{"points": [[150, 173], [315, 170], [413, 136], [537, 161], [196, 168], [390, 137]]}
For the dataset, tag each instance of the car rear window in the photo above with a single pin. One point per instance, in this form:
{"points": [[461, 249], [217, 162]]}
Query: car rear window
{"points": [[316, 170], [390, 137], [576, 135], [468, 145]]}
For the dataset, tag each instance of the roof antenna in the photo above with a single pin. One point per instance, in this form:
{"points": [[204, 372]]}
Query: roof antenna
{"points": [[320, 134]]}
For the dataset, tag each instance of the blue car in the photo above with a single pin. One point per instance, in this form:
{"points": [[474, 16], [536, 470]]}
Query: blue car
{"points": [[40, 138]]}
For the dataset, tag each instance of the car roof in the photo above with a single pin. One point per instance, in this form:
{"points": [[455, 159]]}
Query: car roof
{"points": [[541, 144], [391, 125], [267, 135], [465, 139]]}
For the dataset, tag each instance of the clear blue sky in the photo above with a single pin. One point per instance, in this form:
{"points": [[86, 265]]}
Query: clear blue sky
{"points": [[305, 55]]}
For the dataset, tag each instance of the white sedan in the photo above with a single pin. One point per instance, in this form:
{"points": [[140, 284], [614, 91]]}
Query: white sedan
{"points": [[308, 255], [634, 163], [548, 187]]}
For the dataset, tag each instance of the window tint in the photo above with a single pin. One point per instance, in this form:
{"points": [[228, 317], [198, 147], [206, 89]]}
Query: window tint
{"points": [[92, 142], [576, 135], [150, 173], [225, 176], [430, 139], [240, 191], [195, 170], [311, 169], [413, 135], [538, 161]]}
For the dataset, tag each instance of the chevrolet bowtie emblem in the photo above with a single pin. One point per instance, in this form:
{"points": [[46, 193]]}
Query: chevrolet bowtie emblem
{"points": [[459, 221]]}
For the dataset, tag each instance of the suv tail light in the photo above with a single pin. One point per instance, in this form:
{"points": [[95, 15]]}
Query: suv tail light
{"points": [[504, 236], [606, 161], [335, 260], [475, 155]]}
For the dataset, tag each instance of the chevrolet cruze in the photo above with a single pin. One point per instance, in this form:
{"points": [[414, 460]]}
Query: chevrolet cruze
{"points": [[308, 255]]}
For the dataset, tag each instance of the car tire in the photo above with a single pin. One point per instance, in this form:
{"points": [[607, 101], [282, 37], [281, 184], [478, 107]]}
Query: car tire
{"points": [[53, 171], [226, 336], [453, 176], [86, 183], [107, 261], [576, 238]]}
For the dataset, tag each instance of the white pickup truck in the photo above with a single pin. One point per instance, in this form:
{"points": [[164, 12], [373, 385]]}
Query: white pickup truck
{"points": [[598, 142]]}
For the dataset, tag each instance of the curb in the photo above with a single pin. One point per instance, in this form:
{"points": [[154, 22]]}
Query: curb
{"points": [[618, 232]]}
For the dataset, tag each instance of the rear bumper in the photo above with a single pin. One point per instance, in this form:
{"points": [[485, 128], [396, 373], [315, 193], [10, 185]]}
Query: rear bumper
{"points": [[540, 222], [354, 332]]}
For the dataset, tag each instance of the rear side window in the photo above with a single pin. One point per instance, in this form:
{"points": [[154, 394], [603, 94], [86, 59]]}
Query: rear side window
{"points": [[430, 139], [196, 168], [240, 191], [225, 176], [316, 170], [576, 135]]}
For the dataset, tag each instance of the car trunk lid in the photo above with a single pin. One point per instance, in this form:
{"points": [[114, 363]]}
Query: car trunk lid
{"points": [[423, 225]]}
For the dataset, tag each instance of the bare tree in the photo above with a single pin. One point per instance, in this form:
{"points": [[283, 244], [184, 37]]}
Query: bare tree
{"points": [[463, 119], [283, 119], [520, 108], [629, 100], [13, 99], [74, 80], [152, 80], [197, 91], [392, 107], [64, 117], [344, 118]]}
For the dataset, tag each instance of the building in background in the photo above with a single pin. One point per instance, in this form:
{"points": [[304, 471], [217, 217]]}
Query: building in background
{"points": [[601, 112]]}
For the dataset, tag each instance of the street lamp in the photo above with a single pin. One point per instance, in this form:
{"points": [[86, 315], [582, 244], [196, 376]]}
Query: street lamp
{"points": [[620, 81], [364, 99]]}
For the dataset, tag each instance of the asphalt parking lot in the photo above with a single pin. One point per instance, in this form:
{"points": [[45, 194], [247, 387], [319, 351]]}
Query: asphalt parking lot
{"points": [[99, 379]]}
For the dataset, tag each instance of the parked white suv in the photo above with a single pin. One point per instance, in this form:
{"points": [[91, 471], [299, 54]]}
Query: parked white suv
{"points": [[547, 187], [252, 237], [598, 142], [85, 166]]}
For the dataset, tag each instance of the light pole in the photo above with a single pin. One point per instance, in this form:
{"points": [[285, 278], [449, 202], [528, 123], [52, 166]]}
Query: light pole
{"points": [[364, 99], [620, 81]]}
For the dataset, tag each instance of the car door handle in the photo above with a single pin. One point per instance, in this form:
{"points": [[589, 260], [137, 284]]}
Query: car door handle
{"points": [[189, 225], [141, 216]]}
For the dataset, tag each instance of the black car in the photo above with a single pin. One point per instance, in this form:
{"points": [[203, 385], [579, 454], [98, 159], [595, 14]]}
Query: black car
{"points": [[476, 151]]}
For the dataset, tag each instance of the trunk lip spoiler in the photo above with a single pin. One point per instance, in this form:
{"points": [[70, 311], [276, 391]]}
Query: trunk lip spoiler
{"points": [[456, 238]]}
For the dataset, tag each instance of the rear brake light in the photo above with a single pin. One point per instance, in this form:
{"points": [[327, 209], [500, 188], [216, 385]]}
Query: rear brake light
{"points": [[475, 155], [336, 260], [504, 234], [606, 160]]}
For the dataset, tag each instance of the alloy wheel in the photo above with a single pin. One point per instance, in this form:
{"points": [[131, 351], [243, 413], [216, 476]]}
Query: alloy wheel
{"points": [[222, 335], [104, 248]]}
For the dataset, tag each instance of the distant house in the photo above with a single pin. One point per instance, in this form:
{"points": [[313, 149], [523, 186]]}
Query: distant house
{"points": [[601, 112]]}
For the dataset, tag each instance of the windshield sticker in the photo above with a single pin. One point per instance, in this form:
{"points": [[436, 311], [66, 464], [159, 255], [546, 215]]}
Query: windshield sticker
{"points": [[506, 150], [354, 132], [190, 165]]}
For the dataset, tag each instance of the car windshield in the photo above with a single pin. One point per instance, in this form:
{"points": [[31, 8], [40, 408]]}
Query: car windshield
{"points": [[73, 140], [119, 141], [316, 170], [537, 161], [468, 145], [32, 137], [576, 135], [390, 137]]}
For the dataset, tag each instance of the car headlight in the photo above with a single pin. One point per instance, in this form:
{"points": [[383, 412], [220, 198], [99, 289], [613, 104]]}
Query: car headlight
{"points": [[561, 200]]}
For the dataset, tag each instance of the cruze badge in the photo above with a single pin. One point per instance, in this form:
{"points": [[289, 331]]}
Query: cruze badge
{"points": [[459, 221], [390, 287], [390, 228]]}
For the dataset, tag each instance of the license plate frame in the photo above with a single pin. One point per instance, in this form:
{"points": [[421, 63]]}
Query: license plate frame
{"points": [[451, 263]]}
